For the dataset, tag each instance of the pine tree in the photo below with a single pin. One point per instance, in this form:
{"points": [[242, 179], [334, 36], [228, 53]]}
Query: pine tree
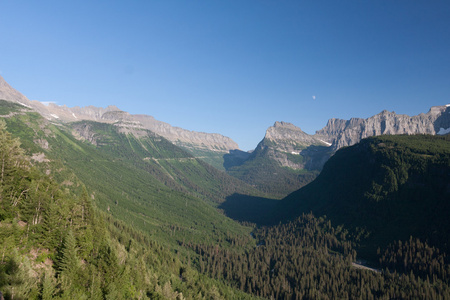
{"points": [[68, 262], [12, 165], [48, 286]]}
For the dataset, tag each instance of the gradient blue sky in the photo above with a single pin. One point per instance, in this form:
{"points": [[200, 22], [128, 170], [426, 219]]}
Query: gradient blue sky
{"points": [[231, 67]]}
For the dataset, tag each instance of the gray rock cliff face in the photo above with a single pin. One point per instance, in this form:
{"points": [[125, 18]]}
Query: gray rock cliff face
{"points": [[287, 144], [287, 137], [10, 94], [187, 138], [343, 133], [284, 141], [127, 122]]}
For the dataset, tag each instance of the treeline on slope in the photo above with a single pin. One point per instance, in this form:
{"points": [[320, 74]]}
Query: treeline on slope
{"points": [[392, 186], [140, 192], [268, 176], [264, 170], [168, 163], [310, 259], [56, 246]]}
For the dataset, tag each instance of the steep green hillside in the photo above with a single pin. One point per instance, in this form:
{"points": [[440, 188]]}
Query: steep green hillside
{"points": [[159, 235], [284, 161], [213, 158], [57, 246], [390, 187], [170, 164], [269, 176], [144, 181]]}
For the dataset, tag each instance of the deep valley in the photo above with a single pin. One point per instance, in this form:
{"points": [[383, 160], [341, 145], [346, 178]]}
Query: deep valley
{"points": [[97, 203]]}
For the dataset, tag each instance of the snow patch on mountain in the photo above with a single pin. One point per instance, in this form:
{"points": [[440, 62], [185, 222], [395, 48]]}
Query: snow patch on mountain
{"points": [[443, 131]]}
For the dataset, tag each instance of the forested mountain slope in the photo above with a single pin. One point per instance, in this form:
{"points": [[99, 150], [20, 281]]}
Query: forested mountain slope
{"points": [[285, 160], [391, 187], [57, 246], [133, 174], [288, 158], [170, 241]]}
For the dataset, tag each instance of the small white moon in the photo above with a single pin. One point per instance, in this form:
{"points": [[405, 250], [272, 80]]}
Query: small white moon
{"points": [[314, 97]]}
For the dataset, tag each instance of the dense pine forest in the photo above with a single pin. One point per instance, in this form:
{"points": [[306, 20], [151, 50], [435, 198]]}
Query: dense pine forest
{"points": [[309, 259], [57, 246], [392, 186], [128, 215]]}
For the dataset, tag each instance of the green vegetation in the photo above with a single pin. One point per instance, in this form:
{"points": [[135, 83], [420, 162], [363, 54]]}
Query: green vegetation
{"points": [[392, 187], [263, 168], [268, 176], [310, 259], [54, 245], [213, 158], [7, 108], [147, 181], [106, 211]]}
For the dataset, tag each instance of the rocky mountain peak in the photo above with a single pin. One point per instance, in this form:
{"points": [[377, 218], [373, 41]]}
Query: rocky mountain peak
{"points": [[287, 144], [10, 94], [286, 125], [191, 140], [283, 132], [343, 133]]}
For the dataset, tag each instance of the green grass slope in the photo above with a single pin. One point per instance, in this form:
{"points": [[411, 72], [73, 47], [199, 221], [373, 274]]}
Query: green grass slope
{"points": [[265, 173], [390, 187], [146, 182], [54, 245]]}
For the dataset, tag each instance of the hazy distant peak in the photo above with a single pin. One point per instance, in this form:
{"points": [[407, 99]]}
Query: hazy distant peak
{"points": [[112, 114], [10, 94]]}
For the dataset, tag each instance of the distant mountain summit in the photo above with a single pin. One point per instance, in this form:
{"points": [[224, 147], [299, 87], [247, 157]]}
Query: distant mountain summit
{"points": [[284, 142], [190, 140], [392, 186], [285, 160], [343, 133], [288, 158], [10, 94], [291, 136]]}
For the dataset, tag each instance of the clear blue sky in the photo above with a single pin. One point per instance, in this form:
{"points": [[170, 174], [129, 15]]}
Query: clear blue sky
{"points": [[231, 67]]}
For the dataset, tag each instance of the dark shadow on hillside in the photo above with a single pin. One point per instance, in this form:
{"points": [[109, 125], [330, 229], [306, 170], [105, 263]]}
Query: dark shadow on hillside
{"points": [[235, 158], [247, 208], [316, 156], [442, 122]]}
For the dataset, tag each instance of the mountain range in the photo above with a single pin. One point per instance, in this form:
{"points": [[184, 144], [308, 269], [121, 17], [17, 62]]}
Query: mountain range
{"points": [[369, 184], [341, 133], [286, 159], [95, 205]]}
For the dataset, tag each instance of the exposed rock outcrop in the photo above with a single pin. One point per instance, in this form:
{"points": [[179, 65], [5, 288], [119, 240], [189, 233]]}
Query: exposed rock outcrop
{"points": [[288, 145], [10, 94], [126, 121], [187, 138], [343, 133]]}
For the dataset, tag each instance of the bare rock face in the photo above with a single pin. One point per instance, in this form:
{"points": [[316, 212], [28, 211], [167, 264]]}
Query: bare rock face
{"points": [[187, 138], [126, 122], [286, 144], [343, 133], [83, 131], [289, 138], [178, 136], [10, 94]]}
